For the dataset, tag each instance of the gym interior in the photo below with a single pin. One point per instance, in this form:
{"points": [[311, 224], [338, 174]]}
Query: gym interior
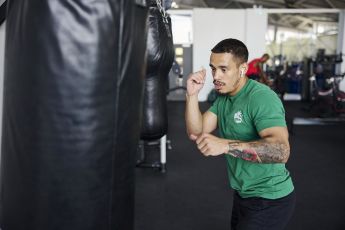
{"points": [[93, 100]]}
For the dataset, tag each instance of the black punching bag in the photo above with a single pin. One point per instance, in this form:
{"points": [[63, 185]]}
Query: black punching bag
{"points": [[160, 56], [71, 119]]}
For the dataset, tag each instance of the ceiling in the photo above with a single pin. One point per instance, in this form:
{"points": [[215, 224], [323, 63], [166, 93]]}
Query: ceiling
{"points": [[241, 4], [303, 22]]}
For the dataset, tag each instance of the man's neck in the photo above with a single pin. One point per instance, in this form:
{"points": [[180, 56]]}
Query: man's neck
{"points": [[242, 82]]}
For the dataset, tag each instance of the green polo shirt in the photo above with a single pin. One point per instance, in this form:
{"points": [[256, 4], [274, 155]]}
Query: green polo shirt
{"points": [[241, 117]]}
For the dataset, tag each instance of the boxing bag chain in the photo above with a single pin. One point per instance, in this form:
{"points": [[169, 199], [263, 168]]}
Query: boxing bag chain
{"points": [[165, 17]]}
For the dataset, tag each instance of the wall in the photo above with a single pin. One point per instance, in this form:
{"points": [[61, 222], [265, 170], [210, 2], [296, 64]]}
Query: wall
{"points": [[212, 25], [256, 26], [182, 26]]}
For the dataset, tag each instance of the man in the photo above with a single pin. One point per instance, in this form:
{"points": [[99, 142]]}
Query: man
{"points": [[255, 69], [253, 138]]}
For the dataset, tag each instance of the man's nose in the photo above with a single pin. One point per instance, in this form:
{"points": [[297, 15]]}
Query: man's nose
{"points": [[216, 75]]}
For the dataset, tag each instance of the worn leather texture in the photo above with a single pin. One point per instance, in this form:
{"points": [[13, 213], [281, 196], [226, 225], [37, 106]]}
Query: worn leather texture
{"points": [[160, 56], [73, 92]]}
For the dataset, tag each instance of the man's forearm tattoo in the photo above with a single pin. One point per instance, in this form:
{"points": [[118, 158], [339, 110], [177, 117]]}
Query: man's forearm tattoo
{"points": [[259, 151], [248, 156]]}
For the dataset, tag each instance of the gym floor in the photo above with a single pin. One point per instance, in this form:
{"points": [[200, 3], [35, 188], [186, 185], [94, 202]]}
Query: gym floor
{"points": [[194, 193]]}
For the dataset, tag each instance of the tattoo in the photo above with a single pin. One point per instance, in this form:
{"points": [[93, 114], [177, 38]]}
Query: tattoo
{"points": [[259, 151], [245, 155]]}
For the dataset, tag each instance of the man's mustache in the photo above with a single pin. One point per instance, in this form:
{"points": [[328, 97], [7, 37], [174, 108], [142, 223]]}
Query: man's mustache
{"points": [[216, 82]]}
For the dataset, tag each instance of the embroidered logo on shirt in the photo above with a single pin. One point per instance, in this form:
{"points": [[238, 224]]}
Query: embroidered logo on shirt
{"points": [[238, 117]]}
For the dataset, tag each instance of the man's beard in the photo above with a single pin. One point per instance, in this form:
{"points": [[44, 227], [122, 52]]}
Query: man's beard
{"points": [[219, 83]]}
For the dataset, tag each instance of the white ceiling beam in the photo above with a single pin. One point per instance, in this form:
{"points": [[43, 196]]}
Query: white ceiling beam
{"points": [[303, 24], [282, 25], [307, 20]]}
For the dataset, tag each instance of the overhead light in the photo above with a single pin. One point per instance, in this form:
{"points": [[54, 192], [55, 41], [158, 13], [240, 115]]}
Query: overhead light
{"points": [[174, 5]]}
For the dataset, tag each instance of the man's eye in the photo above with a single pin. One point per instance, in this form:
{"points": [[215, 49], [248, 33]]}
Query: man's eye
{"points": [[223, 70]]}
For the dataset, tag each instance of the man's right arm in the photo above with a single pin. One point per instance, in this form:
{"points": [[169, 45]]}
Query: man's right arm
{"points": [[193, 115], [196, 123]]}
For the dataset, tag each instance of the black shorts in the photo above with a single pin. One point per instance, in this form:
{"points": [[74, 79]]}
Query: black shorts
{"points": [[256, 213]]}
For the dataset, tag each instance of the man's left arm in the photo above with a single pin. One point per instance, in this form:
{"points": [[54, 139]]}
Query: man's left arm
{"points": [[273, 147]]}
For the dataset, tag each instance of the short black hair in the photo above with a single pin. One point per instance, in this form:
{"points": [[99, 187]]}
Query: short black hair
{"points": [[266, 55], [237, 48]]}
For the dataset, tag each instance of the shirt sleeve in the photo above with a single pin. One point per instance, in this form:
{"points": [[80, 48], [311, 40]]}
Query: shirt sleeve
{"points": [[266, 110]]}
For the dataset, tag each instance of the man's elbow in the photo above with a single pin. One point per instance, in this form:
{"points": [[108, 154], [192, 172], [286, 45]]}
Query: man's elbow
{"points": [[280, 150], [285, 154], [193, 135], [189, 134]]}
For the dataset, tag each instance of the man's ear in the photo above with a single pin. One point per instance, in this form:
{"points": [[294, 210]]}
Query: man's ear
{"points": [[243, 69]]}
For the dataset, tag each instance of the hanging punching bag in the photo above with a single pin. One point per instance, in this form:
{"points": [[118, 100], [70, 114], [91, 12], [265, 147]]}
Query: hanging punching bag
{"points": [[2, 12], [72, 94], [160, 56]]}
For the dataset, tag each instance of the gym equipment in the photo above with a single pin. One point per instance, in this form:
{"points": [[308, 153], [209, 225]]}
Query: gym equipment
{"points": [[73, 89], [177, 71], [327, 100], [160, 55], [178, 74], [322, 67], [286, 77]]}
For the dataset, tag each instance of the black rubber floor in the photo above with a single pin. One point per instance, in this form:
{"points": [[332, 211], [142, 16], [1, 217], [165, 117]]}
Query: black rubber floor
{"points": [[194, 193]]}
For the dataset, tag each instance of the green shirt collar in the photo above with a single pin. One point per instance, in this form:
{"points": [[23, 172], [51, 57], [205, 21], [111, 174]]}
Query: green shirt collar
{"points": [[239, 93]]}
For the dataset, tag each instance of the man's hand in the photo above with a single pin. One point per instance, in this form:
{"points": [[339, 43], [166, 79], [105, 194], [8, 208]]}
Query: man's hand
{"points": [[210, 145], [195, 82]]}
